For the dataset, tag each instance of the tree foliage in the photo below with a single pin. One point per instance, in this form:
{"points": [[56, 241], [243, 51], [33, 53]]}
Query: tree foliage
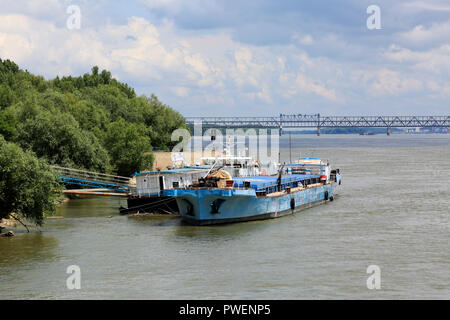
{"points": [[7, 125], [59, 139], [70, 121], [129, 146], [91, 121], [26, 183]]}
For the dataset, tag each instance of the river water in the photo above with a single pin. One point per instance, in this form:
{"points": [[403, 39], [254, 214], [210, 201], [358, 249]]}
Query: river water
{"points": [[392, 211]]}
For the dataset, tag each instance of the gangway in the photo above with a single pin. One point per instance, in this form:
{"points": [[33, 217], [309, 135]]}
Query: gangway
{"points": [[95, 180]]}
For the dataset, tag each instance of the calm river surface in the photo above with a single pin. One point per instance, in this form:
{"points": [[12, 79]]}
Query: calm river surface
{"points": [[392, 211]]}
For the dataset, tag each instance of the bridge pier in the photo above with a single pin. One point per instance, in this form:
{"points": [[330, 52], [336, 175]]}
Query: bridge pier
{"points": [[318, 124], [388, 132]]}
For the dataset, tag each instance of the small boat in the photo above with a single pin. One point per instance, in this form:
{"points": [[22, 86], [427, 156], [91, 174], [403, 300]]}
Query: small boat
{"points": [[218, 198]]}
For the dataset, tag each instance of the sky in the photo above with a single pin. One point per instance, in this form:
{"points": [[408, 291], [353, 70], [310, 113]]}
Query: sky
{"points": [[245, 58]]}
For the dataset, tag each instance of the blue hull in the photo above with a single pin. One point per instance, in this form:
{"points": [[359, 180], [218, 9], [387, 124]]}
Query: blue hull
{"points": [[203, 206]]}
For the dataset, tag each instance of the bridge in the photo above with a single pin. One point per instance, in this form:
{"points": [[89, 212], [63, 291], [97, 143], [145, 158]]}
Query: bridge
{"points": [[317, 121], [103, 184]]}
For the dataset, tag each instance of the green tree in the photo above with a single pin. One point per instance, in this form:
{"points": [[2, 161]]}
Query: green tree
{"points": [[59, 139], [7, 125], [26, 184], [89, 115], [6, 96], [8, 66], [37, 117], [161, 121], [114, 101], [106, 77], [129, 147]]}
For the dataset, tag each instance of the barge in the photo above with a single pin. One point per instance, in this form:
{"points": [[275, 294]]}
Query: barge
{"points": [[149, 196], [216, 199]]}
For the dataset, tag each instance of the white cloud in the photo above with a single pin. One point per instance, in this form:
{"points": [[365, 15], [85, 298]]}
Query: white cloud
{"points": [[181, 91], [426, 6], [35, 8], [209, 69], [307, 40], [180, 6], [304, 40], [425, 71], [436, 34], [393, 83], [212, 66], [386, 82], [296, 84], [435, 60]]}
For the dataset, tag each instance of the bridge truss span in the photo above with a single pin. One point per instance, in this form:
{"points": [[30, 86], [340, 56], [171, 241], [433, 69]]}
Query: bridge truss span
{"points": [[385, 122], [318, 121], [235, 122]]}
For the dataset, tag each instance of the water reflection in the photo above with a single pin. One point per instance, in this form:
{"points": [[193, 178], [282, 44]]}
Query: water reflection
{"points": [[181, 229], [26, 248], [222, 232], [91, 206], [155, 220]]}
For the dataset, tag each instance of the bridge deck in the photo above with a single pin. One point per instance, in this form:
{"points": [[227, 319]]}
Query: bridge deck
{"points": [[317, 121]]}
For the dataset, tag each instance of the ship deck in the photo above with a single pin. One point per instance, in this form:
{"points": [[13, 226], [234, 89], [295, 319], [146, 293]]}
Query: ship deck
{"points": [[293, 190], [260, 183]]}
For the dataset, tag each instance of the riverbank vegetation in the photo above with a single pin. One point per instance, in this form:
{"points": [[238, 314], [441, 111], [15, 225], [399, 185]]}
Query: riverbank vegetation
{"points": [[91, 122], [26, 184]]}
